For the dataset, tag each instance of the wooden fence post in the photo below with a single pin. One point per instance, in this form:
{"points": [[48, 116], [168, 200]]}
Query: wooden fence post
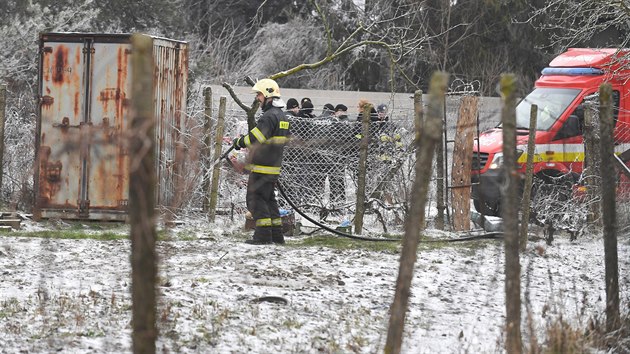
{"points": [[362, 169], [513, 342], [142, 181], [207, 130], [609, 214], [529, 176], [592, 162], [216, 171], [414, 223], [3, 104], [462, 163]]}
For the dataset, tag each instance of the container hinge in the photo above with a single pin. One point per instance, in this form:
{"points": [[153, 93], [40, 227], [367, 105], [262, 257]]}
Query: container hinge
{"points": [[65, 124], [47, 100]]}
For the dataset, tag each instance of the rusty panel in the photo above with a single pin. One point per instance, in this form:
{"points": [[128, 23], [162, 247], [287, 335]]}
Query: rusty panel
{"points": [[85, 82], [109, 117], [170, 106], [62, 86]]}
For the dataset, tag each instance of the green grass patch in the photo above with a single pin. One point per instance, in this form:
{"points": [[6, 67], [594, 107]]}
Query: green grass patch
{"points": [[68, 235], [170, 235], [344, 243], [94, 225]]}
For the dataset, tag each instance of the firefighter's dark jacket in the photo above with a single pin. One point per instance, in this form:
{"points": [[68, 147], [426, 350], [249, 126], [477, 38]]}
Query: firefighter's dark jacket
{"points": [[266, 141]]}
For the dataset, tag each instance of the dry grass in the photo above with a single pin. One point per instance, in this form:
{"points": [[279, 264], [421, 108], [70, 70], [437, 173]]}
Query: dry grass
{"points": [[561, 336]]}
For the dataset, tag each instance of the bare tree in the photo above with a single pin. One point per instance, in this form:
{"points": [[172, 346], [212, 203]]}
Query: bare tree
{"points": [[583, 23]]}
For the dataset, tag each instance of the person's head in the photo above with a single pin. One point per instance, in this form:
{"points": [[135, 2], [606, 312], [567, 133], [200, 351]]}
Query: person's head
{"points": [[304, 100], [382, 111], [362, 104], [293, 106], [307, 107], [341, 110], [328, 109], [266, 89]]}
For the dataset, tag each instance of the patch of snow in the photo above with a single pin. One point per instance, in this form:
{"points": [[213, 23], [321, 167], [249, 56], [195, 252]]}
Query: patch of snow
{"points": [[74, 295]]}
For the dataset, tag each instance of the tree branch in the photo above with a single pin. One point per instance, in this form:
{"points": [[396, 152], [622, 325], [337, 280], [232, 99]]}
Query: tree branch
{"points": [[235, 97]]}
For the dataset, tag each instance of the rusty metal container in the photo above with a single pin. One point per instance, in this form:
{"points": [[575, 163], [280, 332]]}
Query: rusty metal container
{"points": [[81, 169]]}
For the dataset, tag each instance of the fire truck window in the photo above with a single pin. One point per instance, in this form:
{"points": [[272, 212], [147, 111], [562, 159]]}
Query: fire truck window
{"points": [[573, 125]]}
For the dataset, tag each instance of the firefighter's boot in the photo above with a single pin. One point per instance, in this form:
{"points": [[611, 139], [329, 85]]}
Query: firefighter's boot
{"points": [[276, 235], [262, 236]]}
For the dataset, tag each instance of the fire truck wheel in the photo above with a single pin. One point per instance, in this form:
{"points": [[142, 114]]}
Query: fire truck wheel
{"points": [[485, 208]]}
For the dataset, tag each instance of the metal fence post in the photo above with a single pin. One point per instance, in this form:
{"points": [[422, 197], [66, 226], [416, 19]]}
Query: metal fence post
{"points": [[206, 150], [216, 171]]}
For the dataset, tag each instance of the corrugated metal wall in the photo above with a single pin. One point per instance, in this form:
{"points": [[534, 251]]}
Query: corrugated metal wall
{"points": [[85, 87]]}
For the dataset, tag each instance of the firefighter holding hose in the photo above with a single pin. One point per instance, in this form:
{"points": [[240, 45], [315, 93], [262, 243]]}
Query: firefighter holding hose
{"points": [[265, 143]]}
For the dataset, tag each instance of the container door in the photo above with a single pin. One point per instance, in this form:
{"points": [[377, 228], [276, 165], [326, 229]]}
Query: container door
{"points": [[109, 104], [62, 108]]}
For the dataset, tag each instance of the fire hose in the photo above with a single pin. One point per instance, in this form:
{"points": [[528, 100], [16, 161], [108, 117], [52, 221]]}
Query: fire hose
{"points": [[489, 235]]}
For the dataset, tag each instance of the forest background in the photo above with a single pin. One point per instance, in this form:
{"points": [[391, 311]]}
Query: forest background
{"points": [[353, 45]]}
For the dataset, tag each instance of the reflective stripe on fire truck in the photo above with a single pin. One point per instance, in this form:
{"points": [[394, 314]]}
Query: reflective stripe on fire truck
{"points": [[560, 152]]}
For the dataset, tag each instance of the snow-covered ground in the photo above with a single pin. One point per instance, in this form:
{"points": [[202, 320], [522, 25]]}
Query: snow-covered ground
{"points": [[73, 296]]}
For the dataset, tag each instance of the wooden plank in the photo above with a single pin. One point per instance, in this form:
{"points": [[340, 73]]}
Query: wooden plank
{"points": [[462, 163], [16, 224]]}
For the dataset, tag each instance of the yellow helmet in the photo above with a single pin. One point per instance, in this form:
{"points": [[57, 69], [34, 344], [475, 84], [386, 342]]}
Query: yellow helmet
{"points": [[268, 87]]}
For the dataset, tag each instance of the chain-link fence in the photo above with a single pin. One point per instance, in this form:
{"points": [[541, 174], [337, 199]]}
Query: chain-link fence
{"points": [[321, 166]]}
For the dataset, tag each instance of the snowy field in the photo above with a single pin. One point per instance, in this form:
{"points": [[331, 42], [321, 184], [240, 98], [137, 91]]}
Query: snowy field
{"points": [[73, 296]]}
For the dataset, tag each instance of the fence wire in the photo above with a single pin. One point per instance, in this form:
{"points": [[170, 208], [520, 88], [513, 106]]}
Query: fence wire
{"points": [[320, 169]]}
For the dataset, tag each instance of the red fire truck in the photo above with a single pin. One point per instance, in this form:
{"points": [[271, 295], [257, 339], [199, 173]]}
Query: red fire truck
{"points": [[560, 93]]}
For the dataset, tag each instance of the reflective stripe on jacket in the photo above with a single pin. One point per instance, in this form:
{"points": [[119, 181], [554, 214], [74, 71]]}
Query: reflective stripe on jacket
{"points": [[266, 141]]}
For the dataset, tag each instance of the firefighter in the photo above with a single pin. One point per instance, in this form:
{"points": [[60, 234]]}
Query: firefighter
{"points": [[266, 144]]}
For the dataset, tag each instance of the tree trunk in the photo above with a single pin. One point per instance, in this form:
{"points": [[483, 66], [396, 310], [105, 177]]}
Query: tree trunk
{"points": [[216, 170], [609, 185], [362, 169], [426, 139], [527, 186], [462, 163], [513, 344], [142, 180]]}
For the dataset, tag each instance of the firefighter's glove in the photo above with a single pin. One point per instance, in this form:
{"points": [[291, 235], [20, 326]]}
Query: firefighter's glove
{"points": [[235, 144]]}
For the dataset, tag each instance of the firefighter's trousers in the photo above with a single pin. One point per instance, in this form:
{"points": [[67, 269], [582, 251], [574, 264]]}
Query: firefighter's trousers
{"points": [[261, 202]]}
